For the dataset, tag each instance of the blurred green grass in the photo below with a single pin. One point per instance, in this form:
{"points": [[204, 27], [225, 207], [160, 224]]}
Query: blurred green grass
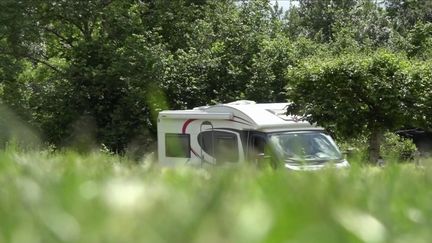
{"points": [[66, 197]]}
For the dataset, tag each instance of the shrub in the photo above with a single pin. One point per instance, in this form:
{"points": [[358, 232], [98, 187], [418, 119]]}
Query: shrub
{"points": [[393, 148], [398, 148]]}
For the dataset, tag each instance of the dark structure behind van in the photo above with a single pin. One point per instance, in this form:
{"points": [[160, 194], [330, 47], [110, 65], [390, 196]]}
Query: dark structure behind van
{"points": [[421, 138]]}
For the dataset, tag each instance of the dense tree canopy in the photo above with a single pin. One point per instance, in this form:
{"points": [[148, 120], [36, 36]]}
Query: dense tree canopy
{"points": [[97, 72], [355, 94]]}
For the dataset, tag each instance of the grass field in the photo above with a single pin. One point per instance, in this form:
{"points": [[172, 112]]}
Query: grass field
{"points": [[66, 197]]}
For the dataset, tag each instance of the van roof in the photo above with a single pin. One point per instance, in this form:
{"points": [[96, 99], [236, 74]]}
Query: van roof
{"points": [[266, 117]]}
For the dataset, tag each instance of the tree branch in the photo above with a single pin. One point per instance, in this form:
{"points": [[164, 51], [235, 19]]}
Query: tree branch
{"points": [[32, 58], [106, 3], [52, 67], [70, 21], [62, 38]]}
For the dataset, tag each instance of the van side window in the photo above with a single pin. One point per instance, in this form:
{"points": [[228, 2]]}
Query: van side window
{"points": [[259, 144], [177, 145], [226, 149], [223, 146]]}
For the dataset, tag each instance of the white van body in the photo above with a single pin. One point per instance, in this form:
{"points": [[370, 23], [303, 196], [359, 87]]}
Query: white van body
{"points": [[237, 132]]}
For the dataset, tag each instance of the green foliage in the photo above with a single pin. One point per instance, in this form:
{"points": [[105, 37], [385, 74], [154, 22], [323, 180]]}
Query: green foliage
{"points": [[13, 131], [115, 64], [89, 60], [420, 41], [236, 44], [396, 148], [371, 90], [406, 14], [171, 19], [365, 27], [353, 94], [65, 197], [315, 19], [421, 74]]}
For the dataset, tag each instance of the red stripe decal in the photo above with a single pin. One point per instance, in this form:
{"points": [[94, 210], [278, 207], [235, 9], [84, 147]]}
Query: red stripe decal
{"points": [[186, 124]]}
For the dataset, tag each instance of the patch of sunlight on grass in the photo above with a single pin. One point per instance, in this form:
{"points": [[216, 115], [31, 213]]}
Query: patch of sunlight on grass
{"points": [[361, 224]]}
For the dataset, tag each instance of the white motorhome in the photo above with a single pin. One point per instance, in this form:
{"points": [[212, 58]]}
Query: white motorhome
{"points": [[244, 131]]}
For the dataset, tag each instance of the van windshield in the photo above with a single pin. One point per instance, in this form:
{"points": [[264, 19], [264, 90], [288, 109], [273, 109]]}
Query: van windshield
{"points": [[306, 147]]}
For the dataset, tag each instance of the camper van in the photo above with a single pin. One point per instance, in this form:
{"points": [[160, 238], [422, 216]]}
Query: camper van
{"points": [[244, 131]]}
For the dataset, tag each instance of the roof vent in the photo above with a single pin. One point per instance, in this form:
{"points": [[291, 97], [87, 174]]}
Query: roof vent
{"points": [[201, 108], [242, 102], [277, 112]]}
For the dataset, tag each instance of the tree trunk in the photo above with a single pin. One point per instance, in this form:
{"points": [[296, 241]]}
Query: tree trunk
{"points": [[375, 141]]}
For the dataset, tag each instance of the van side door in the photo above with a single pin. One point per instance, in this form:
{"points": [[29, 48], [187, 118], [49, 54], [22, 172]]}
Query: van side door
{"points": [[257, 144], [221, 145]]}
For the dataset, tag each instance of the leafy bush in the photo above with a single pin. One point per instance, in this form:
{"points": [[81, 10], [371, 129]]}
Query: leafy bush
{"points": [[398, 148], [393, 148], [356, 148]]}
